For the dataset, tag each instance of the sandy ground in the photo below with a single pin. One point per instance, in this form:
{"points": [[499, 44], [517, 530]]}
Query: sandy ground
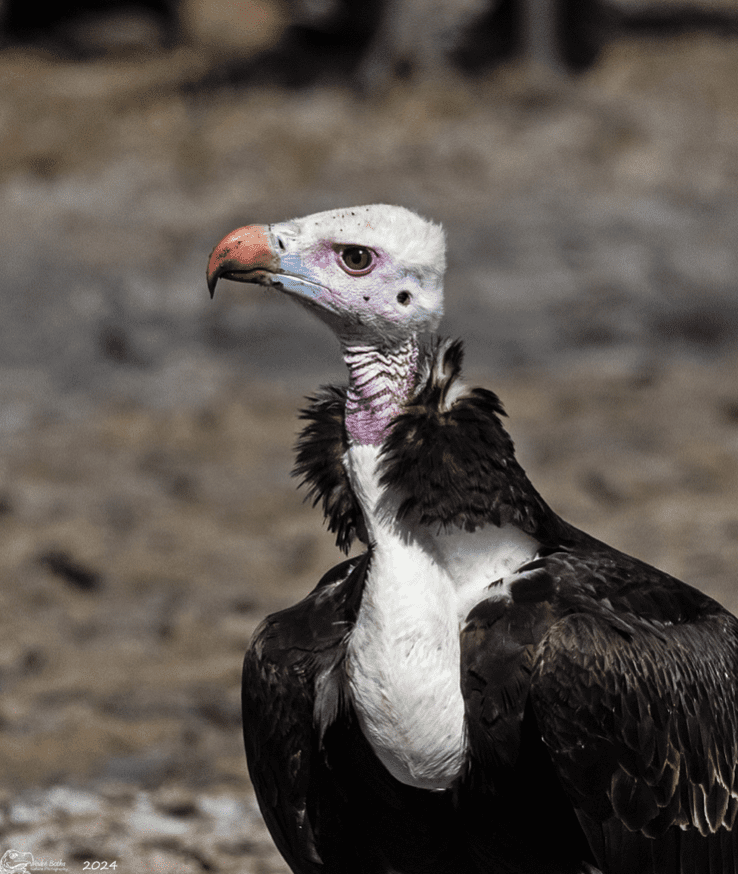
{"points": [[147, 517]]}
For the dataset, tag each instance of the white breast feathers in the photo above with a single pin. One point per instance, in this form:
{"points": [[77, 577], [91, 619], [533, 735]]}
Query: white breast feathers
{"points": [[404, 655]]}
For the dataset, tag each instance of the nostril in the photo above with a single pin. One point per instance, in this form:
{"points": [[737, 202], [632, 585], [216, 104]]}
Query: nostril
{"points": [[280, 243]]}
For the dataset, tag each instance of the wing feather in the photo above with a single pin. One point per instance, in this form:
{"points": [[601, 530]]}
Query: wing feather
{"points": [[290, 695], [643, 730]]}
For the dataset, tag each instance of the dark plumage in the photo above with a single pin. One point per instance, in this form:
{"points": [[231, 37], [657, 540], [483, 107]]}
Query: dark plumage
{"points": [[486, 688], [600, 702], [455, 465], [452, 467], [319, 464]]}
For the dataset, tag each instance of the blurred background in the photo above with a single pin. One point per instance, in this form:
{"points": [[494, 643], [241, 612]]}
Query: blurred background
{"points": [[583, 156]]}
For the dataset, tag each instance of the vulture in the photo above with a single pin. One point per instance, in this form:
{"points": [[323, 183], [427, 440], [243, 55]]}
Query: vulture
{"points": [[484, 688]]}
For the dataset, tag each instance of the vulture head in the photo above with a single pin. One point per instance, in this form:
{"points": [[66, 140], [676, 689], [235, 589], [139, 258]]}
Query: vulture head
{"points": [[373, 274]]}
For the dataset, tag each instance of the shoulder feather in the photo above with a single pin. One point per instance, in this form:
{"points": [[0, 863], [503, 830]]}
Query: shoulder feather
{"points": [[451, 460]]}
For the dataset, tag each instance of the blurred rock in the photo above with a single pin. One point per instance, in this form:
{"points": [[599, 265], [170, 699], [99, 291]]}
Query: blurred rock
{"points": [[62, 565], [142, 831], [233, 27], [93, 28], [375, 44]]}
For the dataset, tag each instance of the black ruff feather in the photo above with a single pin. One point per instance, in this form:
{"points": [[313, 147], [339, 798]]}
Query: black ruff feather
{"points": [[452, 464], [320, 450]]}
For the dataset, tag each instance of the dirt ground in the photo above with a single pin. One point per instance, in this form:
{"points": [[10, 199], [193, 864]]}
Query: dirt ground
{"points": [[147, 517]]}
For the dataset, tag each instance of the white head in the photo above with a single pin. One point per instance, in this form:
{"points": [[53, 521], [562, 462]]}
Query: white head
{"points": [[373, 273]]}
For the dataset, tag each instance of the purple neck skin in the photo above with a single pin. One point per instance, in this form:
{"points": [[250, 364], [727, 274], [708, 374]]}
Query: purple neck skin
{"points": [[379, 384]]}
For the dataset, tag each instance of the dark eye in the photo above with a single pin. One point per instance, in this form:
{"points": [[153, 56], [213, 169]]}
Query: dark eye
{"points": [[404, 298], [357, 259]]}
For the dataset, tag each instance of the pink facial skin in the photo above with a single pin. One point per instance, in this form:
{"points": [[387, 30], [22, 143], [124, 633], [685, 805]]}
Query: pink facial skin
{"points": [[380, 303]]}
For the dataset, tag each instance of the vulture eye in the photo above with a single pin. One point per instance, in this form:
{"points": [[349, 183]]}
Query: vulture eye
{"points": [[403, 297], [357, 259]]}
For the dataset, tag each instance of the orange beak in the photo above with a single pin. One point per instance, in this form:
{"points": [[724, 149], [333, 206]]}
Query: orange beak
{"points": [[245, 255]]}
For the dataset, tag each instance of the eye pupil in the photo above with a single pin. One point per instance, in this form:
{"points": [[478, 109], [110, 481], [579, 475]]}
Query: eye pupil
{"points": [[357, 258], [403, 297]]}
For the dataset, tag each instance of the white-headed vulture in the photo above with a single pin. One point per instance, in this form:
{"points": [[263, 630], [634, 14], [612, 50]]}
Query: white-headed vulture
{"points": [[486, 688]]}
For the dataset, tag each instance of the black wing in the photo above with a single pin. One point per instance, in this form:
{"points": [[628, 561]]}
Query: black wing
{"points": [[290, 693], [517, 813], [640, 716]]}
